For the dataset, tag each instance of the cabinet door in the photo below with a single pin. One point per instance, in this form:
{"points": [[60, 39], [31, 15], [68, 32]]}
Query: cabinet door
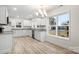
{"points": [[37, 35], [5, 43], [3, 15]]}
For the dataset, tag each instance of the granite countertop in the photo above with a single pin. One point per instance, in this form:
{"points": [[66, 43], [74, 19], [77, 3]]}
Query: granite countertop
{"points": [[40, 29], [7, 32], [21, 29]]}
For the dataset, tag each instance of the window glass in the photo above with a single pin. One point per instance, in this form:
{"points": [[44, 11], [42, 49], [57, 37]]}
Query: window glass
{"points": [[52, 30], [63, 31], [63, 19], [52, 20]]}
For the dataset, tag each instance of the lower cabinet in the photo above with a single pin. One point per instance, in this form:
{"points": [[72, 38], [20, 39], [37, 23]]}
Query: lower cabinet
{"points": [[40, 35], [19, 33]]}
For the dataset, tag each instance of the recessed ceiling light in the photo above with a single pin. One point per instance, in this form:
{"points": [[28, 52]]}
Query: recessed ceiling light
{"points": [[36, 13], [17, 16], [15, 9], [42, 15]]}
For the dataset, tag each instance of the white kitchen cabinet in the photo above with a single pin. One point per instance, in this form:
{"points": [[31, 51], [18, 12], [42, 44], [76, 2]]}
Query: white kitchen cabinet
{"points": [[40, 35], [29, 33], [17, 33], [5, 42], [38, 21], [21, 32], [3, 15]]}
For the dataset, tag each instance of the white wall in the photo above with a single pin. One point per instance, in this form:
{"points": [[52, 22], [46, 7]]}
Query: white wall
{"points": [[73, 42]]}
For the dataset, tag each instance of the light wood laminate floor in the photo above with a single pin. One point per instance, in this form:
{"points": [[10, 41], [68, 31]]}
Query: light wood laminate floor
{"points": [[27, 45]]}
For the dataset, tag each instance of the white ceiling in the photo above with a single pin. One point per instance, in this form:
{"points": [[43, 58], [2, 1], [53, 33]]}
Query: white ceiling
{"points": [[21, 11], [26, 11]]}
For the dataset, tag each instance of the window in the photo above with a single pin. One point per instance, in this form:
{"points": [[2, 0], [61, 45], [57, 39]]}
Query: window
{"points": [[59, 25], [52, 23]]}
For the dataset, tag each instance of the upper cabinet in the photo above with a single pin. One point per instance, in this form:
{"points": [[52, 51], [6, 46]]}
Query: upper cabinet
{"points": [[3, 15], [39, 23], [26, 23]]}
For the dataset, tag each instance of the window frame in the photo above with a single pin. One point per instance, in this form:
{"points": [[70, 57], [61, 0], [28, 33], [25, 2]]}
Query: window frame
{"points": [[67, 38]]}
